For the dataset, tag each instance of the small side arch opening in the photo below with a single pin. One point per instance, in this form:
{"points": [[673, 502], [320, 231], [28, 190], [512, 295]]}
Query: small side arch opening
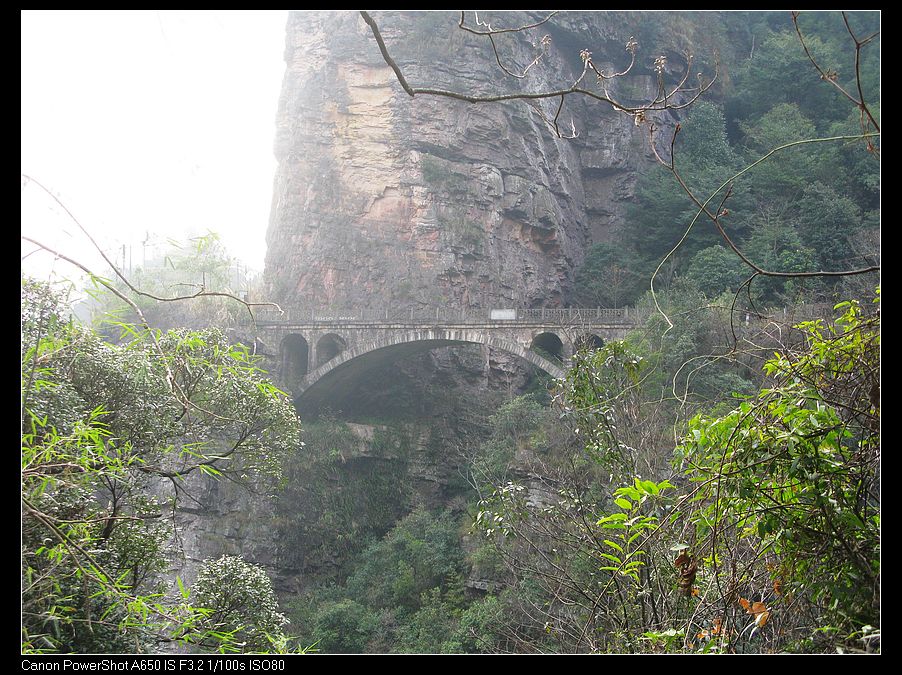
{"points": [[548, 345], [588, 343], [328, 347], [293, 357]]}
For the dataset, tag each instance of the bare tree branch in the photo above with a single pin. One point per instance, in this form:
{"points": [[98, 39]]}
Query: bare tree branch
{"points": [[385, 55], [543, 43], [499, 31], [831, 76], [201, 293], [661, 102], [715, 218]]}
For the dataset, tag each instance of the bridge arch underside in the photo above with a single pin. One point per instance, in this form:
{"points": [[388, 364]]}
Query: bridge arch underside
{"points": [[326, 385]]}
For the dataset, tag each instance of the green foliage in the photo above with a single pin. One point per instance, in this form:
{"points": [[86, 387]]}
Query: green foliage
{"points": [[815, 194], [238, 600], [794, 474], [344, 627], [662, 211], [582, 568], [599, 392], [774, 246], [432, 628], [780, 73], [609, 277], [334, 499], [517, 419], [405, 593], [571, 561], [826, 223], [420, 553], [479, 627], [717, 269], [105, 429], [854, 171], [692, 364], [774, 181], [518, 428], [631, 528], [778, 503]]}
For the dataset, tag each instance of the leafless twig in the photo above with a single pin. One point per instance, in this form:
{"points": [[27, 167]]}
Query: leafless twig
{"points": [[491, 32], [831, 76], [662, 101], [137, 291]]}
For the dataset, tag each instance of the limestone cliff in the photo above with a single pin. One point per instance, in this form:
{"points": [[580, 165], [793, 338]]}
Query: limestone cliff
{"points": [[382, 198]]}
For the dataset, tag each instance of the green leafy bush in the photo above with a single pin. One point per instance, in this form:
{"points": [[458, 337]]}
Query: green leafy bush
{"points": [[105, 430], [239, 603]]}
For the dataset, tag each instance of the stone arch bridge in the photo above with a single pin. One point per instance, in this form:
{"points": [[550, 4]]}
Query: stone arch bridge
{"points": [[319, 352]]}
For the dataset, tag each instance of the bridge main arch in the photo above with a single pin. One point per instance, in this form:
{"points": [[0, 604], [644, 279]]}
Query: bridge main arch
{"points": [[344, 368]]}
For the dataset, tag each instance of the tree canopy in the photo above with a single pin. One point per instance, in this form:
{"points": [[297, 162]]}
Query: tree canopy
{"points": [[110, 434]]}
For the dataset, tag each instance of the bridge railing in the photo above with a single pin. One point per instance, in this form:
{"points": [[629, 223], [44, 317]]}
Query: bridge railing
{"points": [[568, 316], [446, 315]]}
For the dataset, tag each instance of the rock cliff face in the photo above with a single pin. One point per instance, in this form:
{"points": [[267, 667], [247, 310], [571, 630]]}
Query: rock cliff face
{"points": [[385, 199], [292, 529]]}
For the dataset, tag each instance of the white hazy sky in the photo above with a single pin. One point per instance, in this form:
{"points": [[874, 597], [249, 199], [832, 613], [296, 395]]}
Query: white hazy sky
{"points": [[149, 121]]}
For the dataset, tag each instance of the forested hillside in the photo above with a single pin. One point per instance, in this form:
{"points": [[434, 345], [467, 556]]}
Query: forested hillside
{"points": [[811, 207], [709, 484]]}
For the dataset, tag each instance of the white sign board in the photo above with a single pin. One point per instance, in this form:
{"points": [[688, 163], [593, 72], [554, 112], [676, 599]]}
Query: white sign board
{"points": [[504, 315]]}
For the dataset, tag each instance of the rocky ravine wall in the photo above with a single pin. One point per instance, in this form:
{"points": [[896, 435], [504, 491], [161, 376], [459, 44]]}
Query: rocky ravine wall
{"points": [[380, 198], [254, 521]]}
